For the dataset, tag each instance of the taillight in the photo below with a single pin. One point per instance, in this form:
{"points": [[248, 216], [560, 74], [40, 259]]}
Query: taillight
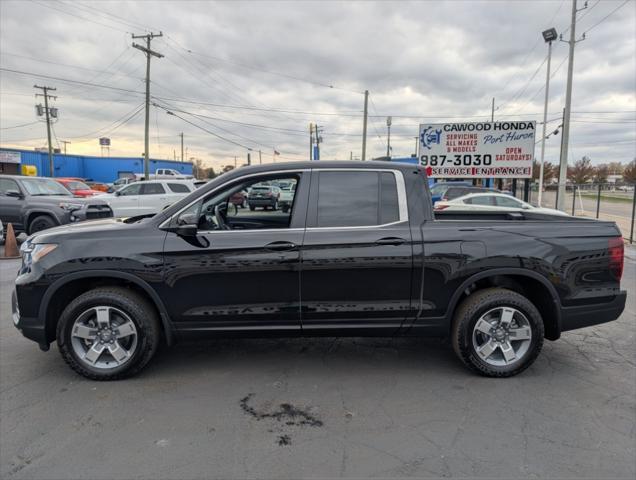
{"points": [[616, 253], [440, 207]]}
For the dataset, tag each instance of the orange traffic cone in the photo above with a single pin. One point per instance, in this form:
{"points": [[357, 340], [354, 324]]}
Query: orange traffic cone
{"points": [[10, 244]]}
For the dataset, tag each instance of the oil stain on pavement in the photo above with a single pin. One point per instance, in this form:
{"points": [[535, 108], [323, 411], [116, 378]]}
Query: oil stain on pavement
{"points": [[286, 415]]}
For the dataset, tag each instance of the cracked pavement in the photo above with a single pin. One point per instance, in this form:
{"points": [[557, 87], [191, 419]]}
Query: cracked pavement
{"points": [[356, 407]]}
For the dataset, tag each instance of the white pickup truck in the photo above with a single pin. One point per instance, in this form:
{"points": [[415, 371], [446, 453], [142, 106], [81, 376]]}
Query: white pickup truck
{"points": [[161, 173], [147, 197]]}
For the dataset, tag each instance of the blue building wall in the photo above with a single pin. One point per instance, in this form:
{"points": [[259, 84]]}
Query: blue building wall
{"points": [[100, 169]]}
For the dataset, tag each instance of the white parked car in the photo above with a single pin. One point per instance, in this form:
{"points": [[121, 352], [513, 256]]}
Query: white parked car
{"points": [[147, 197], [167, 173], [492, 202]]}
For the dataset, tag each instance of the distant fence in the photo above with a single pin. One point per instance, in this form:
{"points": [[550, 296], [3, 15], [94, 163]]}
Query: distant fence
{"points": [[605, 201]]}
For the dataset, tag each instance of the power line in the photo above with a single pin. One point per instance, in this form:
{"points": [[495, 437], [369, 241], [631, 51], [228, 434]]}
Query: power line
{"points": [[67, 80], [606, 16], [47, 5], [19, 126]]}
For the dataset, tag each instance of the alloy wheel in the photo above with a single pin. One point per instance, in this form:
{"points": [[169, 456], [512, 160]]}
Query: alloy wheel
{"points": [[104, 337], [502, 336]]}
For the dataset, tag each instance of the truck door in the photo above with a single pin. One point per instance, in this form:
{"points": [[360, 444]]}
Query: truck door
{"points": [[11, 203], [242, 269], [357, 256]]}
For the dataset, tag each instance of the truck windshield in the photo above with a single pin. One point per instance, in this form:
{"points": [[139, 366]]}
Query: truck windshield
{"points": [[44, 186]]}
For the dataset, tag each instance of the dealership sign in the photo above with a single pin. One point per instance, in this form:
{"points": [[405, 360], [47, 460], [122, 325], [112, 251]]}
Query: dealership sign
{"points": [[477, 150]]}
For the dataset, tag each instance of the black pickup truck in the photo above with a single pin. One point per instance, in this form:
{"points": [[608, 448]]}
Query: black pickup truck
{"points": [[359, 253]]}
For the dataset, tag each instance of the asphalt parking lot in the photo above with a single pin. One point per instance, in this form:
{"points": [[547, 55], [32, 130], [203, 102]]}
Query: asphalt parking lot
{"points": [[323, 408]]}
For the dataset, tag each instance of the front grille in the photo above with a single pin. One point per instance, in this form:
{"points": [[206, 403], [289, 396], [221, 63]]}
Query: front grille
{"points": [[98, 211]]}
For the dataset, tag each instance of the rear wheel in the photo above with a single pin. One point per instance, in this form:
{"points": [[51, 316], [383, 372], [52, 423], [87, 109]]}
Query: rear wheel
{"points": [[40, 223], [108, 333], [275, 206], [252, 208], [497, 332]]}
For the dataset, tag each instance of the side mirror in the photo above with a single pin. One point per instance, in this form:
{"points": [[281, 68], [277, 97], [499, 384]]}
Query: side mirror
{"points": [[526, 207], [186, 230], [14, 194]]}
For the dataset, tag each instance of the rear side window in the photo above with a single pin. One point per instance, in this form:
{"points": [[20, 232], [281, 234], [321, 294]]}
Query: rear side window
{"points": [[356, 199], [178, 188], [7, 185], [479, 201], [152, 189]]}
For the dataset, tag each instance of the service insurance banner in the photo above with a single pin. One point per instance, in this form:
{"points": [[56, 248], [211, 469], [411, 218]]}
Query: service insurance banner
{"points": [[477, 150]]}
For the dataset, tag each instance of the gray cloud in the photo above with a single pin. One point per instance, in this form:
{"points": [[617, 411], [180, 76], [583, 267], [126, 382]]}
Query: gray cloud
{"points": [[435, 59]]}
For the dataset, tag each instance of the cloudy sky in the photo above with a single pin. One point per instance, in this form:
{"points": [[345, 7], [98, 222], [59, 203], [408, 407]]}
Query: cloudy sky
{"points": [[255, 74]]}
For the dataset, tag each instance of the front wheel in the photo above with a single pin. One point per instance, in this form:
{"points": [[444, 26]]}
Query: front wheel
{"points": [[43, 222], [497, 332], [108, 333]]}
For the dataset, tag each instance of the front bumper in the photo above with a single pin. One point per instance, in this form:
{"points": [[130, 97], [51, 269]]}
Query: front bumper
{"points": [[31, 327], [588, 315]]}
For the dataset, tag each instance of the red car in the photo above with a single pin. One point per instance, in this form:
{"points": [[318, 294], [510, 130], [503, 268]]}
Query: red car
{"points": [[77, 187]]}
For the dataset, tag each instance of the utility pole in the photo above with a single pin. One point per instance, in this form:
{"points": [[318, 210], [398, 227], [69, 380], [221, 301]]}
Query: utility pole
{"points": [[317, 143], [563, 167], [249, 159], [364, 125], [492, 110], [311, 141], [149, 53], [549, 36], [181, 135], [46, 96], [65, 142], [260, 158], [235, 161], [388, 137]]}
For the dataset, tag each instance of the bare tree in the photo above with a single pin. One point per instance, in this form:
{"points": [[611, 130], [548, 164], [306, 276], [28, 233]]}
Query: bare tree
{"points": [[601, 172], [629, 172], [582, 171]]}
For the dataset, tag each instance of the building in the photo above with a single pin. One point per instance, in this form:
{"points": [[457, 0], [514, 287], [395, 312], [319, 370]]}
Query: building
{"points": [[99, 169]]}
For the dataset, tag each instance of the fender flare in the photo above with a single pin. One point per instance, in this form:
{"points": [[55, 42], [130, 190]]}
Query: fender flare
{"points": [[452, 305], [38, 211], [55, 286]]}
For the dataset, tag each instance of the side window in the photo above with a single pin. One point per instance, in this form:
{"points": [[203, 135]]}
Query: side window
{"points": [[507, 202], [152, 189], [356, 199], [389, 210], [8, 185], [251, 205], [134, 189], [485, 200], [178, 188]]}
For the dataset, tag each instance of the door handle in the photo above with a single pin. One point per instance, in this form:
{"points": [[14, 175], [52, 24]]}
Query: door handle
{"points": [[390, 241], [280, 246]]}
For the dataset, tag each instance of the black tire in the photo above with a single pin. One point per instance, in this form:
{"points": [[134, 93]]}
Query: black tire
{"points": [[275, 206], [140, 311], [252, 208], [41, 222], [285, 208], [471, 310], [244, 204]]}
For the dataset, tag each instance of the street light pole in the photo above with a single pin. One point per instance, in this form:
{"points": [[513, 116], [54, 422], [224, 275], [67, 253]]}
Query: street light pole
{"points": [[549, 36], [388, 137]]}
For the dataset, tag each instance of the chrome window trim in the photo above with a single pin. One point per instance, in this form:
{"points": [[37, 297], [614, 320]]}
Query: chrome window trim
{"points": [[399, 182]]}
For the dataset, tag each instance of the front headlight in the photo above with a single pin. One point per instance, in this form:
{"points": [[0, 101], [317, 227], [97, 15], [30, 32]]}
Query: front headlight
{"points": [[69, 207], [33, 252]]}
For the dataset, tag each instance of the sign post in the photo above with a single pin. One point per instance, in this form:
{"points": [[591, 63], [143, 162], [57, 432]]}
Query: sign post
{"points": [[477, 150]]}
